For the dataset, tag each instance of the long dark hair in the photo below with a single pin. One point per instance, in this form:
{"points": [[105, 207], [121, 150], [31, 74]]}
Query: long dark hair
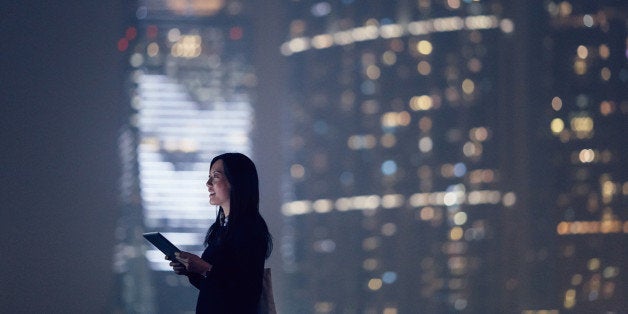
{"points": [[243, 199]]}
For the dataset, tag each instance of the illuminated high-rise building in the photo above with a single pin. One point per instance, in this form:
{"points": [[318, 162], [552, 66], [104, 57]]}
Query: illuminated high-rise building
{"points": [[395, 194], [585, 119], [190, 87]]}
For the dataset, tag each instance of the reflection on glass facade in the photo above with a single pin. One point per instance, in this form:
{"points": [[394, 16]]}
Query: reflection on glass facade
{"points": [[394, 198], [190, 87], [586, 121]]}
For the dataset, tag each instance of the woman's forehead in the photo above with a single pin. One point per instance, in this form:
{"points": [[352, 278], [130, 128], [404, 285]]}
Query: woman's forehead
{"points": [[217, 166]]}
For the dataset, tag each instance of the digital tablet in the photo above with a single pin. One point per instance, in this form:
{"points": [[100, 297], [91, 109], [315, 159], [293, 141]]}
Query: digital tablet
{"points": [[159, 241]]}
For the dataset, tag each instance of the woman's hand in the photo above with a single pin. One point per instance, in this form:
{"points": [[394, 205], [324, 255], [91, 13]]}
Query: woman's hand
{"points": [[193, 263], [178, 267]]}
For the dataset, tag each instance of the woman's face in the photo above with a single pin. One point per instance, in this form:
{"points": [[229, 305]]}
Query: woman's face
{"points": [[218, 185]]}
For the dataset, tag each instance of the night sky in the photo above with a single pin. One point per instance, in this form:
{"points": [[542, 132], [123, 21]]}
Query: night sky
{"points": [[62, 108]]}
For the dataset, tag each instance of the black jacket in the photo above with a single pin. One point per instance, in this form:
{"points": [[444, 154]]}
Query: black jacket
{"points": [[234, 284]]}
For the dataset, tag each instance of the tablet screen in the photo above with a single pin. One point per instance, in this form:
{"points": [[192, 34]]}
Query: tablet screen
{"points": [[159, 241]]}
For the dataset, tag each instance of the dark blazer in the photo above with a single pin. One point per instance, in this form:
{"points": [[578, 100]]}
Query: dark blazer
{"points": [[234, 284]]}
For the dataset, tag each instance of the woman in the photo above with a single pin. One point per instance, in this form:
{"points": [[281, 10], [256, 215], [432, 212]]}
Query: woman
{"points": [[229, 273]]}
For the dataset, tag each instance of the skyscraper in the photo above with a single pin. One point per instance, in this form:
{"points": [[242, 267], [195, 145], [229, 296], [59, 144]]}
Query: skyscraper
{"points": [[190, 86], [394, 198], [585, 120]]}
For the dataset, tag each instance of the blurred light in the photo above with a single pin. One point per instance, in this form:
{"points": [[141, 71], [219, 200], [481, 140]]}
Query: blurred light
{"points": [[610, 272], [388, 140], [447, 170], [570, 299], [509, 199], [199, 7], [576, 279], [591, 227], [297, 28], [188, 46], [370, 107], [324, 246], [479, 134], [427, 213], [322, 41], [357, 142], [423, 102], [370, 264], [297, 171], [424, 68], [390, 310], [460, 304], [136, 60], [587, 20], [460, 170], [373, 72], [587, 156], [425, 124], [447, 24], [468, 86], [152, 50], [151, 31], [420, 28], [580, 67], [557, 103], [296, 208], [389, 58], [368, 87], [582, 52], [608, 190], [392, 200], [582, 125], [174, 35], [460, 218], [453, 198], [389, 167], [484, 22], [604, 51], [365, 202], [123, 44], [454, 4], [371, 243], [455, 233], [564, 8], [474, 65], [605, 73], [425, 144], [557, 126], [389, 277], [298, 44], [507, 26], [346, 178], [321, 9], [424, 47], [364, 33], [323, 307], [391, 31], [323, 206], [389, 229], [343, 38], [593, 264], [130, 33], [375, 284], [236, 33], [141, 12]]}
